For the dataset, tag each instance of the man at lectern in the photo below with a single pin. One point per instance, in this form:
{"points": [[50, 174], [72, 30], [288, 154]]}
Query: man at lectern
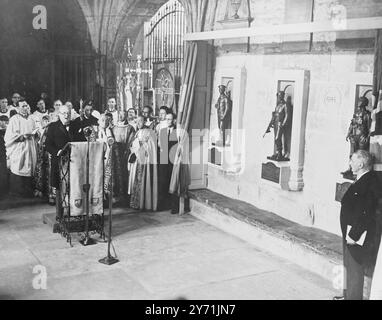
{"points": [[57, 137]]}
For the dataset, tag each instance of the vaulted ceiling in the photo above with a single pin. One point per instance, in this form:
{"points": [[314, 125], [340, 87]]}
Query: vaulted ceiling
{"points": [[111, 22]]}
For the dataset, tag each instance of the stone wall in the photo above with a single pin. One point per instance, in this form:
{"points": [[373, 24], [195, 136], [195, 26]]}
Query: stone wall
{"points": [[334, 72], [27, 55]]}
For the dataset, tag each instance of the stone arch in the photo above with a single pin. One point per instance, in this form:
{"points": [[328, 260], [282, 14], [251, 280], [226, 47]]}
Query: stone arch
{"points": [[111, 22]]}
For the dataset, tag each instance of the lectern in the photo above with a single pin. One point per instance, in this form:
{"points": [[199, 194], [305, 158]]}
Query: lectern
{"points": [[79, 200]]}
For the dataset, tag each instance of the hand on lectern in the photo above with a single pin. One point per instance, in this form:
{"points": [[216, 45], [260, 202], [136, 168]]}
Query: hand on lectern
{"points": [[87, 132], [110, 141]]}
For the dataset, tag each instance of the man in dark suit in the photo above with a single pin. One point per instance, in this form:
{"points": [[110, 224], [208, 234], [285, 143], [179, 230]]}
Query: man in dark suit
{"points": [[168, 141], [85, 120], [358, 224], [58, 135]]}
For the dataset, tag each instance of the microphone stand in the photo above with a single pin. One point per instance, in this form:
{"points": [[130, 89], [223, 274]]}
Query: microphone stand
{"points": [[109, 259], [87, 240]]}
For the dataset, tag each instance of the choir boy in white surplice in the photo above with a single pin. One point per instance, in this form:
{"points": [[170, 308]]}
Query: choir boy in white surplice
{"points": [[39, 113]]}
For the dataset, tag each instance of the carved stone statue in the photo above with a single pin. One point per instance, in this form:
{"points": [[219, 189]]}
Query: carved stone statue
{"points": [[359, 131], [279, 123], [224, 112]]}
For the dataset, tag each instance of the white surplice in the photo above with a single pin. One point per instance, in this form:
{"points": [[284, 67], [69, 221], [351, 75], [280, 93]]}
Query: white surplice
{"points": [[22, 155], [37, 117]]}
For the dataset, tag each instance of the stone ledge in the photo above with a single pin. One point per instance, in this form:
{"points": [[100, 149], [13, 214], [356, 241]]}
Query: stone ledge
{"points": [[312, 248]]}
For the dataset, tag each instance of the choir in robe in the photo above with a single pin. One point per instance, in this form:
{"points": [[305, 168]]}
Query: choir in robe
{"points": [[130, 146], [21, 151]]}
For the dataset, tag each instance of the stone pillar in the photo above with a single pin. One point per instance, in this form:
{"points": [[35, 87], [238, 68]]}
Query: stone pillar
{"points": [[297, 156]]}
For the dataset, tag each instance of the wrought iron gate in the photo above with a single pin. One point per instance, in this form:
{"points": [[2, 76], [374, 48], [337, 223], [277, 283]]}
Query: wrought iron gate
{"points": [[154, 79], [164, 51]]}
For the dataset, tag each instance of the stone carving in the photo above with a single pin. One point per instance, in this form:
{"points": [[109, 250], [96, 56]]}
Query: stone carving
{"points": [[359, 131], [280, 122], [224, 113]]}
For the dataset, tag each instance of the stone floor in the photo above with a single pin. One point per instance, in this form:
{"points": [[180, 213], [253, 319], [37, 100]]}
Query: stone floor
{"points": [[162, 256]]}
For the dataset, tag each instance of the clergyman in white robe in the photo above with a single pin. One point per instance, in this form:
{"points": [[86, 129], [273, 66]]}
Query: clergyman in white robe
{"points": [[21, 149]]}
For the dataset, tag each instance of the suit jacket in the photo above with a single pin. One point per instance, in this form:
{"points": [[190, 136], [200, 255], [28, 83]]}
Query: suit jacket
{"points": [[167, 146], [358, 210], [56, 138], [77, 126]]}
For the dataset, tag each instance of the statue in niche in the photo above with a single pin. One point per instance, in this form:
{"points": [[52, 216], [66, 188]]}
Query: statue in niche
{"points": [[280, 122], [224, 112], [359, 131]]}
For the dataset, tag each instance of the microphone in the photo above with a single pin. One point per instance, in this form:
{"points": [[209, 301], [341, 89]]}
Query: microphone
{"points": [[110, 141], [87, 132]]}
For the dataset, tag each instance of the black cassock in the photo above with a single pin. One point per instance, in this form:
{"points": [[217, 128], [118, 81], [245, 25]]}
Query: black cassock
{"points": [[77, 126], [358, 214], [167, 145], [57, 137]]}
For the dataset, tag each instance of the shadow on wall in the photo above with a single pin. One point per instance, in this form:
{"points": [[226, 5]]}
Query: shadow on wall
{"points": [[28, 55]]}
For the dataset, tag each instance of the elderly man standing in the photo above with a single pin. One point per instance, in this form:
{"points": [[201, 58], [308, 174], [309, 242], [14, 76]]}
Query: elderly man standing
{"points": [[20, 141], [358, 224], [57, 136]]}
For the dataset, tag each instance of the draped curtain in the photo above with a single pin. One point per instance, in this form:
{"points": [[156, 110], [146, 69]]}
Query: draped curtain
{"points": [[180, 178], [200, 16]]}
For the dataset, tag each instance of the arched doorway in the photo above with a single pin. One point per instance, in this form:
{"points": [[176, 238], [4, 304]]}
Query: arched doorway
{"points": [[59, 60]]}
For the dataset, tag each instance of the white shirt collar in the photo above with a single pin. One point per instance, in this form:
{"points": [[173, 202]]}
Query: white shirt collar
{"points": [[362, 174], [65, 125]]}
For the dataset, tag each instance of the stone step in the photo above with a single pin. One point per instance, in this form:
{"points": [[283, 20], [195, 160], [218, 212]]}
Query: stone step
{"points": [[50, 218], [10, 202], [311, 248]]}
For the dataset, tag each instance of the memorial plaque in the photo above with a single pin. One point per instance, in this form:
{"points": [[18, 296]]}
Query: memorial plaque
{"points": [[271, 172], [341, 189]]}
